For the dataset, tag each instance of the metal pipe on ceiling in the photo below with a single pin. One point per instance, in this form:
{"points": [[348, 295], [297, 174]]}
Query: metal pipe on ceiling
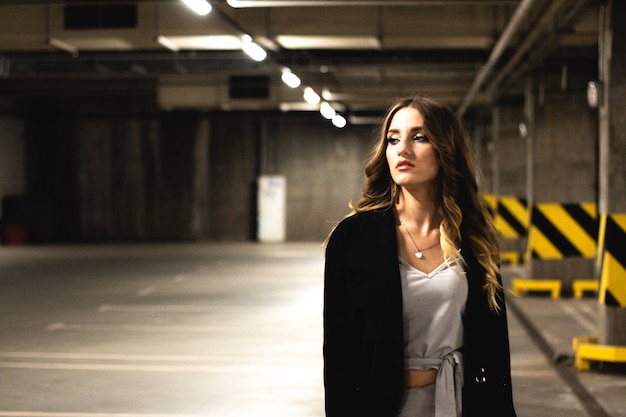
{"points": [[546, 19], [514, 25], [572, 13]]}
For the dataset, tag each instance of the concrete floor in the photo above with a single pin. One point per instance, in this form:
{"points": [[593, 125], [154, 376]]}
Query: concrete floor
{"points": [[174, 330]]}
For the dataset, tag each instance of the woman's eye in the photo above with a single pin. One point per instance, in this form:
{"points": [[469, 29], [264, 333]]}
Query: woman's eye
{"points": [[393, 140], [420, 137]]}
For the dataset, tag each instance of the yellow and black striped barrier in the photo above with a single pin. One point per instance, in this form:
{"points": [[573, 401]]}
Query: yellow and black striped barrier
{"points": [[612, 291], [510, 219], [558, 231], [612, 240], [510, 215]]}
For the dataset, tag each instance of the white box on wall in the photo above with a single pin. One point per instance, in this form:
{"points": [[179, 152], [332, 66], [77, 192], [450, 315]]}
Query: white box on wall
{"points": [[271, 208]]}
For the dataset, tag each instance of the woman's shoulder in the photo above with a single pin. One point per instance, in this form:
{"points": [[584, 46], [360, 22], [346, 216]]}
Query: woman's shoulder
{"points": [[365, 218], [363, 233], [363, 225]]}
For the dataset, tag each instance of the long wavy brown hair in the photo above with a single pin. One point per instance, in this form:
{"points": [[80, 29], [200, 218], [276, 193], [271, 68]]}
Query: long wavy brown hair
{"points": [[464, 214]]}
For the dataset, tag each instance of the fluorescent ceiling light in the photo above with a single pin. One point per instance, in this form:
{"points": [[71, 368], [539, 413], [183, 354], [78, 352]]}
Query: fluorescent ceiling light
{"points": [[87, 42], [310, 96], [253, 50], [101, 43], [64, 46], [328, 42], [168, 43], [212, 42], [327, 110], [339, 121], [297, 106], [327, 94], [201, 7], [289, 78]]}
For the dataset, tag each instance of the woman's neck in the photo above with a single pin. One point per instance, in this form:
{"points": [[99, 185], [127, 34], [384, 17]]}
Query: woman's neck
{"points": [[418, 211]]}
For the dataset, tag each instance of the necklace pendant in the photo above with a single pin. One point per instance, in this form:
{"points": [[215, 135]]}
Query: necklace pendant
{"points": [[419, 254]]}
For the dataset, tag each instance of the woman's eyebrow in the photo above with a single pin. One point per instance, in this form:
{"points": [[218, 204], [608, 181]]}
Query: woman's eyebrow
{"points": [[413, 129]]}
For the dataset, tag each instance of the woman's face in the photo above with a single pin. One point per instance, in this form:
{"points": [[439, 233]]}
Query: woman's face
{"points": [[412, 159]]}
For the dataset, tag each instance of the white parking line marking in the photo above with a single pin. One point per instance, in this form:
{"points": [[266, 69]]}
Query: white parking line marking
{"points": [[246, 369], [146, 328], [124, 367], [156, 308], [69, 414], [197, 359], [128, 357]]}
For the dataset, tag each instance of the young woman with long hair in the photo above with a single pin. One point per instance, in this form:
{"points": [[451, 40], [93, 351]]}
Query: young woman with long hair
{"points": [[414, 315]]}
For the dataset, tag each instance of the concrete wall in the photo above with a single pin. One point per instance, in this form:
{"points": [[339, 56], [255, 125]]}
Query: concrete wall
{"points": [[501, 157], [555, 162], [564, 155], [184, 175], [511, 149], [323, 167], [110, 165], [324, 170]]}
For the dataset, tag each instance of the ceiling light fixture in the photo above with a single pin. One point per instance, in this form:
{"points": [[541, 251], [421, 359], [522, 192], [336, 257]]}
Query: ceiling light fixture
{"points": [[201, 7], [168, 43], [326, 94], [64, 46], [253, 50], [311, 96], [327, 110], [289, 78], [339, 121]]}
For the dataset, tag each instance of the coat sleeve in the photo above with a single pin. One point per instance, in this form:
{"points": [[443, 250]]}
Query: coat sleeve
{"points": [[363, 332], [487, 387], [339, 390]]}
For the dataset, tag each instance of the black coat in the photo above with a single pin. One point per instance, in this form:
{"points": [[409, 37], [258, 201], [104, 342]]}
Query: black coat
{"points": [[363, 329]]}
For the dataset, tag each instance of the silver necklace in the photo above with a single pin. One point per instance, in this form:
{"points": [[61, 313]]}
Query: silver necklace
{"points": [[419, 253]]}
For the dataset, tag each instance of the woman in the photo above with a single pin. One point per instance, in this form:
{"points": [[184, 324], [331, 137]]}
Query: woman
{"points": [[414, 315]]}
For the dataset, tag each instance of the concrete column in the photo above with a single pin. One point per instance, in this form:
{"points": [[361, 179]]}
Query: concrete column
{"points": [[562, 159], [200, 180], [94, 180], [509, 173], [529, 113], [499, 156], [612, 131], [128, 207], [495, 149], [110, 186], [183, 182], [12, 164]]}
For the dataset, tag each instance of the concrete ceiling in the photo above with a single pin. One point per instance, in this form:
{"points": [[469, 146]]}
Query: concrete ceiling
{"points": [[356, 54]]}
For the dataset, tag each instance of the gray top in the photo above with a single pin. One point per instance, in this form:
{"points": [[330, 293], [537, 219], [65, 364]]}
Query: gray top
{"points": [[434, 304]]}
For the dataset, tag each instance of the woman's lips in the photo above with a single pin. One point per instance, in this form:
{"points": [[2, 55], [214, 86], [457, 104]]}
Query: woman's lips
{"points": [[403, 165]]}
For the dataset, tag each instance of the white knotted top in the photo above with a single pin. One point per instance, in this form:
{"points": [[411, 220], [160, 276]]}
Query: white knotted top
{"points": [[433, 305]]}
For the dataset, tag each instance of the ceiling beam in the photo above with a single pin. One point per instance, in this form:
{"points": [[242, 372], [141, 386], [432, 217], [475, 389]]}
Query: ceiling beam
{"points": [[513, 27]]}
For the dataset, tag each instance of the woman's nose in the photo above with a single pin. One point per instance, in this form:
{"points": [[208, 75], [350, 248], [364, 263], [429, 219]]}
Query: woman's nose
{"points": [[403, 147]]}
